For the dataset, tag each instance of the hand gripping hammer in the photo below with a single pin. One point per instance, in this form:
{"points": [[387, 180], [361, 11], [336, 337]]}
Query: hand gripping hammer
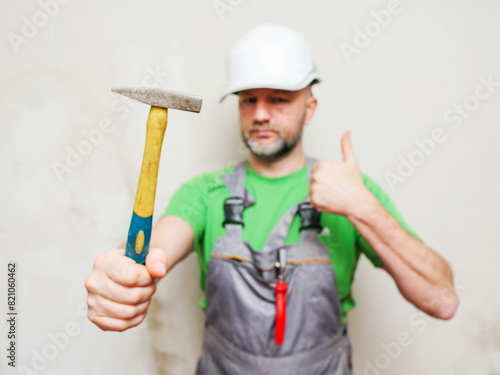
{"points": [[160, 101]]}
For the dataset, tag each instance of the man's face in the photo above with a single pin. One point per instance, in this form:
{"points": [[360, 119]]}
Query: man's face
{"points": [[272, 120]]}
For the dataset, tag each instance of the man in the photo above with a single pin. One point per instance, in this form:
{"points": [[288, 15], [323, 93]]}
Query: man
{"points": [[276, 272]]}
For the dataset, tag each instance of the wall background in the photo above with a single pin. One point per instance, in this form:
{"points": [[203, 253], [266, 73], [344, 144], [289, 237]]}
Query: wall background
{"points": [[55, 88]]}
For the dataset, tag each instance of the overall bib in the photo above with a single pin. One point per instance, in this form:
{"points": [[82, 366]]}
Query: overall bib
{"points": [[242, 324]]}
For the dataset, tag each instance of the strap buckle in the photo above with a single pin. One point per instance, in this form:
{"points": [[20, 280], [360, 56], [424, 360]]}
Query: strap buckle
{"points": [[233, 211], [309, 217]]}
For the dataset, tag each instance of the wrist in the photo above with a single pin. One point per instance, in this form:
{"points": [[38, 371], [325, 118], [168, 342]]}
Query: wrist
{"points": [[366, 207]]}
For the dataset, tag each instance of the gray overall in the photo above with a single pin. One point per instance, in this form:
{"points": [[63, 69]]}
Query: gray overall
{"points": [[241, 300]]}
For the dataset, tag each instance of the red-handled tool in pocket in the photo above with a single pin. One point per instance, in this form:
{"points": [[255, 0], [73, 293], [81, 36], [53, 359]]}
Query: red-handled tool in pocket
{"points": [[281, 288]]}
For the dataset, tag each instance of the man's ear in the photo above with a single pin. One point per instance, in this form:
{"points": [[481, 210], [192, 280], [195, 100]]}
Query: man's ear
{"points": [[311, 104]]}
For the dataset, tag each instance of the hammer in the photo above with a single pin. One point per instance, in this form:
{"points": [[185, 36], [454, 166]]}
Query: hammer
{"points": [[139, 233]]}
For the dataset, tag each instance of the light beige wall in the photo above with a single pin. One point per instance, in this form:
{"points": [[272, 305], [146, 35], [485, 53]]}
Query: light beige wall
{"points": [[55, 85]]}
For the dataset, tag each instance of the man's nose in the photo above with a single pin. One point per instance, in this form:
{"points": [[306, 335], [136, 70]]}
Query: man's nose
{"points": [[262, 112]]}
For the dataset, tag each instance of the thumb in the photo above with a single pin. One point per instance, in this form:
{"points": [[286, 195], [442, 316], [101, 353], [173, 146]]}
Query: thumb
{"points": [[156, 263], [347, 150]]}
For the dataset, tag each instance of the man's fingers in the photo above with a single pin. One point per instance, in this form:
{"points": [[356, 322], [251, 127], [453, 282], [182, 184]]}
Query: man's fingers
{"points": [[123, 270], [115, 292], [104, 307], [347, 150], [112, 324], [156, 263]]}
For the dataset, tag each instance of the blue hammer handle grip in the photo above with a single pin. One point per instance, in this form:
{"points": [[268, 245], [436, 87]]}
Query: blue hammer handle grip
{"points": [[137, 225]]}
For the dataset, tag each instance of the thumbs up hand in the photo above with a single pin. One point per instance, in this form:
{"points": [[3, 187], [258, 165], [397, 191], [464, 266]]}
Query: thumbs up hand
{"points": [[337, 187]]}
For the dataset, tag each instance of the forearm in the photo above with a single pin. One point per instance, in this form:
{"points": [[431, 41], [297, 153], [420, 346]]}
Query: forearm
{"points": [[173, 235], [423, 276]]}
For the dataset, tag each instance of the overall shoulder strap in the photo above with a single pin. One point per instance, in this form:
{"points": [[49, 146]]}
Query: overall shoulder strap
{"points": [[235, 182], [236, 203], [280, 231]]}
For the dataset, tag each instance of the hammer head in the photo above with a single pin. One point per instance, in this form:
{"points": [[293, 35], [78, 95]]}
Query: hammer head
{"points": [[163, 98]]}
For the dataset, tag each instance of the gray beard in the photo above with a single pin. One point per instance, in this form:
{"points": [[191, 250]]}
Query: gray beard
{"points": [[274, 151]]}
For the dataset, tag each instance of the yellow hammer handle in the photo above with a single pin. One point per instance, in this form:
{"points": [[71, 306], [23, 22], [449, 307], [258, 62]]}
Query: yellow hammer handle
{"points": [[145, 198]]}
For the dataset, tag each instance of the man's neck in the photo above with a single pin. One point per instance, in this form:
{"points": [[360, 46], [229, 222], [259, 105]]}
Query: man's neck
{"points": [[292, 162]]}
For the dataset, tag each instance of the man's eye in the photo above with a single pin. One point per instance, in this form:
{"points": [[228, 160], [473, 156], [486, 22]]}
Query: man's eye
{"points": [[279, 100], [248, 100]]}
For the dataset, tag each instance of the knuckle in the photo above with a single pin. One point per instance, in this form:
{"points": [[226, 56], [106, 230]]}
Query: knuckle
{"points": [[120, 327], [123, 325], [91, 284], [100, 260], [129, 275], [96, 306], [138, 320], [129, 312], [93, 317], [91, 302], [137, 296], [88, 284]]}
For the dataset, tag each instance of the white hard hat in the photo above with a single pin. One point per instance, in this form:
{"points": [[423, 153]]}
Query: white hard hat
{"points": [[270, 56]]}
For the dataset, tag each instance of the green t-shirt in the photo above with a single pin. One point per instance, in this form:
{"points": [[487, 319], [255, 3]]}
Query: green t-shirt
{"points": [[200, 202]]}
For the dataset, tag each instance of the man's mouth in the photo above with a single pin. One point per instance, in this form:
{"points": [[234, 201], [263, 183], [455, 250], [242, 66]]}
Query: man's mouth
{"points": [[262, 133]]}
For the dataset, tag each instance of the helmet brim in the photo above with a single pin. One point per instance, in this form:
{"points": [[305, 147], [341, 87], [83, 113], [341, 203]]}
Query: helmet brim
{"points": [[235, 90]]}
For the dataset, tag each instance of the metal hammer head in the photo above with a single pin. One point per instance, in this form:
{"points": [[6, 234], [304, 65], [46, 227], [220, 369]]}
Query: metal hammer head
{"points": [[163, 98]]}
